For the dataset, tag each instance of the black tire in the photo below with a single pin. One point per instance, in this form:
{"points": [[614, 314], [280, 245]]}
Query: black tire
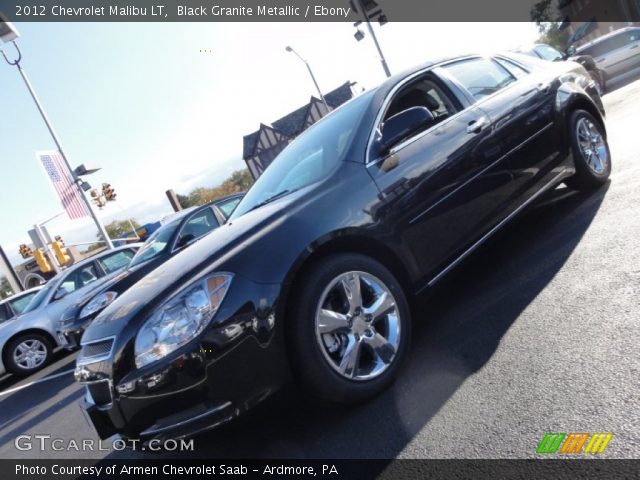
{"points": [[312, 366], [11, 347], [587, 176]]}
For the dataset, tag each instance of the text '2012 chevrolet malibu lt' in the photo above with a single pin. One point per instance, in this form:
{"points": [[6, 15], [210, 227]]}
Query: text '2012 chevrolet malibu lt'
{"points": [[311, 276]]}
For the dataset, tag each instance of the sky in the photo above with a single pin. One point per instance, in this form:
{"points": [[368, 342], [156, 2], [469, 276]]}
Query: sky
{"points": [[161, 106]]}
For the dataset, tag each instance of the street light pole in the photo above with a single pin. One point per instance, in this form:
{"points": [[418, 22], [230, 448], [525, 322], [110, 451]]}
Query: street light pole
{"points": [[375, 40], [289, 49], [23, 74]]}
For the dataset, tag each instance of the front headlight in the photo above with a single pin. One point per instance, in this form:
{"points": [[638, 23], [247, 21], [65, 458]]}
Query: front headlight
{"points": [[98, 303], [181, 318]]}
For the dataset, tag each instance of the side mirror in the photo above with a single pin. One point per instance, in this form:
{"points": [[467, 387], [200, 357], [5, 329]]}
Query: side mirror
{"points": [[401, 126], [186, 240], [61, 292]]}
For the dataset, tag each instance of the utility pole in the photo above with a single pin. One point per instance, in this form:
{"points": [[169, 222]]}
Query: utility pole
{"points": [[56, 140]]}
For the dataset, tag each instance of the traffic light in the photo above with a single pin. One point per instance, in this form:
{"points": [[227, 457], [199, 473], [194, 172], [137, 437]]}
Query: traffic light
{"points": [[108, 192], [61, 253], [25, 251], [372, 11], [42, 261], [97, 198]]}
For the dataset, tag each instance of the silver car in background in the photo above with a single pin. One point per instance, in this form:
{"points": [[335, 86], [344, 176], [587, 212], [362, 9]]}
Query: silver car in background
{"points": [[615, 53], [28, 340]]}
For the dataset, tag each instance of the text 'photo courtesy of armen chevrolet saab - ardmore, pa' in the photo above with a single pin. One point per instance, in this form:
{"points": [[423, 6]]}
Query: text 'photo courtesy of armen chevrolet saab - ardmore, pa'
{"points": [[389, 240]]}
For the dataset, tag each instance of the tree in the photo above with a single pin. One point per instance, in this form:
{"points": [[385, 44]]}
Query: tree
{"points": [[548, 26], [238, 181], [120, 228], [5, 289]]}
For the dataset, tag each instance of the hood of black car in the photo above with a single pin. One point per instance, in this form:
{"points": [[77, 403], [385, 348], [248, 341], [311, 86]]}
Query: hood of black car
{"points": [[203, 257]]}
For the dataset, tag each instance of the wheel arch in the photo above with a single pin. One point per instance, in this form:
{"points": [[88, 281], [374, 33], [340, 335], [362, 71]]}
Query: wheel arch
{"points": [[335, 244], [569, 100]]}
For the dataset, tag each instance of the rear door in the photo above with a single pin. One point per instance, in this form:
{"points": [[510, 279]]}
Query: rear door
{"points": [[445, 185], [521, 113]]}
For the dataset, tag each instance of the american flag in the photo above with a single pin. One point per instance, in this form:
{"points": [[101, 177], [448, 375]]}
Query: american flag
{"points": [[63, 184]]}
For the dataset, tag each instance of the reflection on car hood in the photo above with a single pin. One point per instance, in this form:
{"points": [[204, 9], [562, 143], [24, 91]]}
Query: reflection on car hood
{"points": [[203, 255]]}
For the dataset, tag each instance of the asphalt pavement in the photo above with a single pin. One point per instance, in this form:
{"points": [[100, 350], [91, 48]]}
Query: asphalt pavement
{"points": [[538, 332]]}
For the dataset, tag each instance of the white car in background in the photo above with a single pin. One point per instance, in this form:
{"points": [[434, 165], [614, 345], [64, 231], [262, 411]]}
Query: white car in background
{"points": [[28, 340]]}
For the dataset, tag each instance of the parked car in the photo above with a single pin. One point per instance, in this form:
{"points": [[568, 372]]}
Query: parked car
{"points": [[15, 304], [614, 53], [177, 233], [547, 52], [28, 340], [311, 275]]}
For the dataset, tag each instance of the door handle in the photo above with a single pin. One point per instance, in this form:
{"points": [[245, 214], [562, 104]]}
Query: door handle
{"points": [[476, 126]]}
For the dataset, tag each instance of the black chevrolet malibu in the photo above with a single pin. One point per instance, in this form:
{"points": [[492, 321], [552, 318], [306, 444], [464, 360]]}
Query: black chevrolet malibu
{"points": [[181, 230], [311, 276]]}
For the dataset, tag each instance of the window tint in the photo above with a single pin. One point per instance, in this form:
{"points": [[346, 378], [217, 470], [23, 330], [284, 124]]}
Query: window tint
{"points": [[198, 225], [80, 278], [228, 206], [19, 304], [480, 76], [515, 70], [116, 261]]}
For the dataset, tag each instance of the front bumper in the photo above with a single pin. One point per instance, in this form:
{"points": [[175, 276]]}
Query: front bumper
{"points": [[234, 365]]}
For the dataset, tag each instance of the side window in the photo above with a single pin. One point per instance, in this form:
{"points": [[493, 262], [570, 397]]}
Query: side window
{"points": [[633, 36], [19, 304], [116, 261], [79, 278], [422, 93], [4, 314], [515, 70], [228, 206], [480, 76], [548, 53], [606, 46], [198, 225]]}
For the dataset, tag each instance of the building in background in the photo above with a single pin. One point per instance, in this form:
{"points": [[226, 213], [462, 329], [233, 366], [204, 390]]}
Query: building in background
{"points": [[263, 145], [599, 15]]}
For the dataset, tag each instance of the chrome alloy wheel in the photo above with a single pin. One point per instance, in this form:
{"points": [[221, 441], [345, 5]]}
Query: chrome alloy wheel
{"points": [[358, 325], [30, 354], [592, 145]]}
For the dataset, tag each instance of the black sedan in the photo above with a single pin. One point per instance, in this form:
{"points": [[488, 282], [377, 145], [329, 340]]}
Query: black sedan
{"points": [[311, 276], [180, 230]]}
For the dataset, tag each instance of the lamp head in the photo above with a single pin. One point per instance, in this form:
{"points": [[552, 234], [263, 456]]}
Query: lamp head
{"points": [[8, 33]]}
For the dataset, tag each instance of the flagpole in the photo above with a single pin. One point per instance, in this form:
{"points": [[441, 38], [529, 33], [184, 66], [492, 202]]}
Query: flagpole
{"points": [[23, 74]]}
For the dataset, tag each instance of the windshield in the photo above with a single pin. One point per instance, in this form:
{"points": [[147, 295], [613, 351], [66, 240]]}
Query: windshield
{"points": [[309, 158], [41, 295], [156, 243]]}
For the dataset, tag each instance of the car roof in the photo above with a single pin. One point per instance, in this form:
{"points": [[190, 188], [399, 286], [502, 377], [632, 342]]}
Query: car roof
{"points": [[595, 41]]}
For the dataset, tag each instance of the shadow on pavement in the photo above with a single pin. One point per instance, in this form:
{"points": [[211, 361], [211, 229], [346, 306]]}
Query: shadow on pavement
{"points": [[10, 381], [458, 329]]}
